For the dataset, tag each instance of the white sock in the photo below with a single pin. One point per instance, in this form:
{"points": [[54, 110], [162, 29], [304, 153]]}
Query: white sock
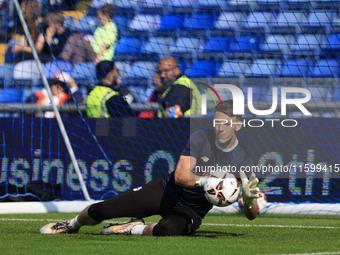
{"points": [[138, 230], [75, 224]]}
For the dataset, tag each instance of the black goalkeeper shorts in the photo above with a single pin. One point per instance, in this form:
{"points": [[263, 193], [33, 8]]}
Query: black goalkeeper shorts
{"points": [[145, 201]]}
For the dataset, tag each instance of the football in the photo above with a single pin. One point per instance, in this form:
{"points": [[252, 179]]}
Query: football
{"points": [[222, 191]]}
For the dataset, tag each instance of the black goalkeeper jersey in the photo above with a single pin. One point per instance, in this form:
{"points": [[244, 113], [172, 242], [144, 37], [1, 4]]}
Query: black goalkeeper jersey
{"points": [[204, 148]]}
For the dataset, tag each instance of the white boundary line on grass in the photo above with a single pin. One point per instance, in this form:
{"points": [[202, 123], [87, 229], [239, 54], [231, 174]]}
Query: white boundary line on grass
{"points": [[314, 253], [204, 224]]}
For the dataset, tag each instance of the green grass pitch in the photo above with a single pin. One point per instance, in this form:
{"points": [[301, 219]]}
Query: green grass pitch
{"points": [[219, 234]]}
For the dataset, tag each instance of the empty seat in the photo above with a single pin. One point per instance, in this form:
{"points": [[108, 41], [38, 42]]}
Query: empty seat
{"points": [[277, 43], [215, 47], [336, 93], [203, 68], [11, 95], [263, 68], [84, 73], [51, 68], [122, 23], [246, 44], [212, 4], [233, 69], [318, 20], [159, 46], [326, 68], [258, 22], [198, 23], [128, 48], [145, 22], [296, 68], [308, 44], [141, 72], [229, 21], [318, 93], [26, 72], [6, 74], [171, 22], [183, 3], [333, 42], [153, 5], [124, 69], [186, 47], [288, 22]]}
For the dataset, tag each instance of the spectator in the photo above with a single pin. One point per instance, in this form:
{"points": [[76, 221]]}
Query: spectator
{"points": [[51, 42], [105, 99], [95, 49], [60, 92]]}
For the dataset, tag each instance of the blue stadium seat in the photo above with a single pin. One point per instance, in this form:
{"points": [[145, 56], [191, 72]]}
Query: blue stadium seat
{"points": [[124, 69], [233, 69], [318, 21], [70, 23], [6, 74], [229, 21], [159, 46], [128, 48], [336, 93], [204, 68], [212, 4], [122, 23], [11, 95], [263, 68], [187, 4], [288, 22], [296, 68], [318, 93], [246, 44], [186, 47], [87, 24], [277, 43], [198, 24], [154, 6], [142, 72], [260, 93], [326, 68], [84, 73], [171, 22], [308, 44], [333, 42], [217, 44], [51, 68], [145, 22], [258, 22]]}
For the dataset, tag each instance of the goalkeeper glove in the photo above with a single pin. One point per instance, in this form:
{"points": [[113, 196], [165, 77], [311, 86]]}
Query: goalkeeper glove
{"points": [[249, 188]]}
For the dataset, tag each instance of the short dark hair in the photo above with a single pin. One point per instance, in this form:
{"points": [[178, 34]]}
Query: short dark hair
{"points": [[103, 68], [227, 108]]}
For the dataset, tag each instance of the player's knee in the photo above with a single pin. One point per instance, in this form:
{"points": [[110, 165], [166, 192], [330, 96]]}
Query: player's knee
{"points": [[163, 229], [95, 212]]}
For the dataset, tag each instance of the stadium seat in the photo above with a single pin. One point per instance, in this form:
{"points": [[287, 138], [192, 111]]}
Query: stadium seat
{"points": [[145, 23], [246, 44], [217, 44], [241, 5], [11, 95], [6, 74], [87, 24], [183, 4], [128, 48], [336, 93], [277, 43], [333, 43], [153, 5], [141, 72], [296, 68], [51, 68], [27, 73], [204, 68], [212, 5], [258, 22], [326, 68], [308, 44], [186, 47], [233, 69], [84, 73], [171, 22], [122, 23], [320, 94], [318, 21], [260, 93], [288, 22], [198, 24], [228, 21], [124, 69], [158, 46], [263, 68], [335, 25]]}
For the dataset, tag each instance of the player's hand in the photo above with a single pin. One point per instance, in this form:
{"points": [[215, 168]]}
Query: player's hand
{"points": [[250, 190]]}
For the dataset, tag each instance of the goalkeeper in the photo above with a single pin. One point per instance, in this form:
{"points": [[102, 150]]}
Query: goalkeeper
{"points": [[178, 197]]}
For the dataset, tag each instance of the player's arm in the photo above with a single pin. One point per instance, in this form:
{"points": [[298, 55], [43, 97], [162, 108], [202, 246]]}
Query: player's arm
{"points": [[184, 173], [250, 193]]}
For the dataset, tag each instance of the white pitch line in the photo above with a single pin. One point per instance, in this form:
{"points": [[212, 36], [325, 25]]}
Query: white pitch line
{"points": [[313, 253], [204, 224]]}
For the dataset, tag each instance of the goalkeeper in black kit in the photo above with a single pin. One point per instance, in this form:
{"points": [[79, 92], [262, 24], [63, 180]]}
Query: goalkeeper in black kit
{"points": [[178, 197]]}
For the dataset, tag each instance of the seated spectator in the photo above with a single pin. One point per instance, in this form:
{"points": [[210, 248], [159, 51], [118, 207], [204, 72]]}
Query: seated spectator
{"points": [[100, 47], [105, 100], [60, 92], [50, 43]]}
